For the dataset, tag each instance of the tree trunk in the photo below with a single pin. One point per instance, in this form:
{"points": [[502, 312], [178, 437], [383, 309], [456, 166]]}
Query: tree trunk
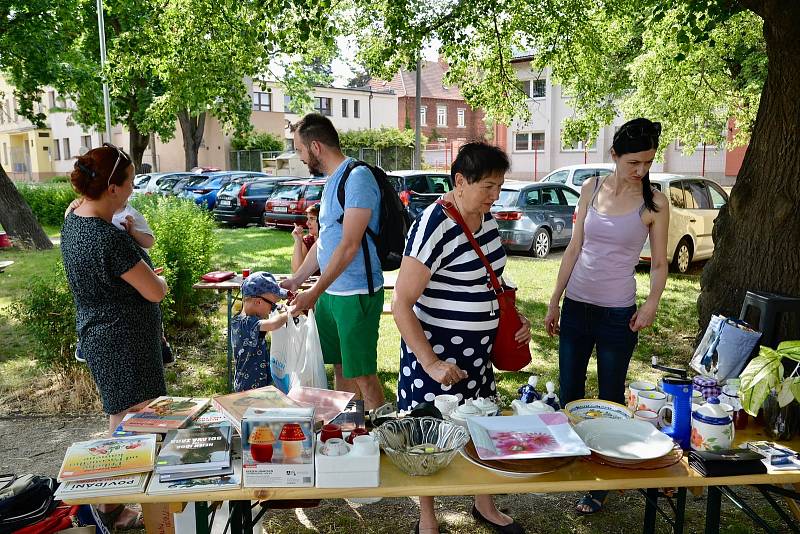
{"points": [[17, 218], [192, 128], [139, 141], [757, 235]]}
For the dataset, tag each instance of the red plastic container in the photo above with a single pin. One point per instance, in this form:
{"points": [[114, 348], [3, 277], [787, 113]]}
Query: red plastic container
{"points": [[5, 242]]}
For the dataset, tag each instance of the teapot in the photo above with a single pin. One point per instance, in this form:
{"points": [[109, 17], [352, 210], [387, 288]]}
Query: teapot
{"points": [[486, 406], [712, 427], [459, 415], [537, 406]]}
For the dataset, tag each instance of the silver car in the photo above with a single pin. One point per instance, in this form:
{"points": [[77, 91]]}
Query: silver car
{"points": [[694, 204], [534, 216]]}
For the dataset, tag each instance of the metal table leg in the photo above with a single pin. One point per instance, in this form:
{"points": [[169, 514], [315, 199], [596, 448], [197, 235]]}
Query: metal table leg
{"points": [[650, 508], [201, 514], [680, 511], [713, 503], [241, 517]]}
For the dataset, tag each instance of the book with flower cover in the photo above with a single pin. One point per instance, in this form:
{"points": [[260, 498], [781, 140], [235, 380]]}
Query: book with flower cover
{"points": [[166, 413], [102, 458], [546, 435], [233, 405], [102, 487]]}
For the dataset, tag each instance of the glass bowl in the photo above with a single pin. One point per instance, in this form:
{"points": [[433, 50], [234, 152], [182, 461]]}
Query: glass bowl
{"points": [[421, 445]]}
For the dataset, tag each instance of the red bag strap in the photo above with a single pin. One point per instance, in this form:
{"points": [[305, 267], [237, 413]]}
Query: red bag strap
{"points": [[451, 210]]}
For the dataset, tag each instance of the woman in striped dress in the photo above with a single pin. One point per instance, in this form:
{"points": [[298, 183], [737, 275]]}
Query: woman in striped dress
{"points": [[445, 308]]}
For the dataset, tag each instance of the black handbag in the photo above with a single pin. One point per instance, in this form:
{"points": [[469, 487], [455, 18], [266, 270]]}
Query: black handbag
{"points": [[24, 500], [727, 462]]}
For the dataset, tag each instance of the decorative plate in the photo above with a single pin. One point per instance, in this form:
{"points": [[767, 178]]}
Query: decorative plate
{"points": [[586, 409], [624, 439]]}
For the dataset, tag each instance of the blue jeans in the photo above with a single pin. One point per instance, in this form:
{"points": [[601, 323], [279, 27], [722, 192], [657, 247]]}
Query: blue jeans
{"points": [[584, 327]]}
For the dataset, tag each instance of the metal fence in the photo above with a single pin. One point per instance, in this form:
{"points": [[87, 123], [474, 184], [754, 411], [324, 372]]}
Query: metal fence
{"points": [[249, 160], [390, 158]]}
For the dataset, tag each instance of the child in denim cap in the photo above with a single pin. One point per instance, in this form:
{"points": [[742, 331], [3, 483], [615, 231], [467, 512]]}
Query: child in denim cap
{"points": [[260, 294]]}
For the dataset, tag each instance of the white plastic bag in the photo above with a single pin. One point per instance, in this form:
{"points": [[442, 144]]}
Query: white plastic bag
{"points": [[725, 348], [296, 355]]}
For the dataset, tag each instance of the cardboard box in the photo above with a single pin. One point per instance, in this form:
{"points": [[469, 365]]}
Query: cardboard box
{"points": [[352, 470], [278, 447]]}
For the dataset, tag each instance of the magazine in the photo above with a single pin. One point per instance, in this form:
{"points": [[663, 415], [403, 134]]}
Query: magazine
{"points": [[120, 433], [108, 457], [195, 448], [169, 477], [101, 487], [233, 405], [193, 485], [327, 403], [547, 435], [166, 413]]}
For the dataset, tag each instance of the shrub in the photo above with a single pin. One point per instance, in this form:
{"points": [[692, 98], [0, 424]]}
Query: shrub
{"points": [[258, 141], [47, 311], [185, 245], [60, 180], [48, 201]]}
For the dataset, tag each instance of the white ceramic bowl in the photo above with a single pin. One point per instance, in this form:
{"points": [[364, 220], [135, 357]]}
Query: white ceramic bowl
{"points": [[584, 409]]}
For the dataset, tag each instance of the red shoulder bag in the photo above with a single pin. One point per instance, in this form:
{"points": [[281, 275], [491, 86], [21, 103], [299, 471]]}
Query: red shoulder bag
{"points": [[507, 354]]}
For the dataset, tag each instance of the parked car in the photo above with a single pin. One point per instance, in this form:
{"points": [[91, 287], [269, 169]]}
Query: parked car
{"points": [[534, 216], [573, 176], [243, 200], [205, 193], [188, 181], [419, 189], [140, 183], [166, 185], [694, 204], [288, 203], [157, 178]]}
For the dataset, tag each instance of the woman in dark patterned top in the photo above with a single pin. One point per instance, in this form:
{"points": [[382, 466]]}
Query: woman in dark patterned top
{"points": [[115, 289]]}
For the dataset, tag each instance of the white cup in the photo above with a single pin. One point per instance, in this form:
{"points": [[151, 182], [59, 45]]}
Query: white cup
{"points": [[634, 388], [648, 416], [446, 404], [365, 445], [651, 400], [335, 447], [727, 407]]}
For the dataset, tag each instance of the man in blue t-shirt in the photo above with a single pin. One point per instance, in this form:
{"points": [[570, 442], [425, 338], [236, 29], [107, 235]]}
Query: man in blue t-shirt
{"points": [[347, 315]]}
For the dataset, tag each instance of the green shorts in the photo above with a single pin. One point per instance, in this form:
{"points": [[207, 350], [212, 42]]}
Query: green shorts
{"points": [[348, 331]]}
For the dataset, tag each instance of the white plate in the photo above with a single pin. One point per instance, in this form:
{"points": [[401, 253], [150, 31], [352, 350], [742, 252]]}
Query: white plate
{"points": [[510, 474], [624, 439]]}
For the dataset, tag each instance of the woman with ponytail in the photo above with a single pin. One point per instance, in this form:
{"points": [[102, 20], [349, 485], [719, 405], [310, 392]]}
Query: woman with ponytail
{"points": [[615, 215]]}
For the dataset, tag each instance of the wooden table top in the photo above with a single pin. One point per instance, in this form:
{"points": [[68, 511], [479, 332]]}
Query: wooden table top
{"points": [[462, 477]]}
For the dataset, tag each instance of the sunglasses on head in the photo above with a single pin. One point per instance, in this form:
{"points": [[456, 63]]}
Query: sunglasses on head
{"points": [[120, 156], [637, 131]]}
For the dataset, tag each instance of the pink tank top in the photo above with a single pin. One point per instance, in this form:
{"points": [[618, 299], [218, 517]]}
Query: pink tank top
{"points": [[604, 272]]}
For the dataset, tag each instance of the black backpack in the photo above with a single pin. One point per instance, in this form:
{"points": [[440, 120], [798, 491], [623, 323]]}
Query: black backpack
{"points": [[24, 500], [393, 223]]}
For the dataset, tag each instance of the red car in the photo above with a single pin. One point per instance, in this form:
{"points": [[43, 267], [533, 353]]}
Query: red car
{"points": [[288, 203]]}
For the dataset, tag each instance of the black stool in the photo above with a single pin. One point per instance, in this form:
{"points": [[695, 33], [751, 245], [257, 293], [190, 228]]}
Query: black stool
{"points": [[771, 307]]}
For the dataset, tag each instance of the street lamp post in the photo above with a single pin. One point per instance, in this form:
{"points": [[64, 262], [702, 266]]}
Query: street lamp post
{"points": [[106, 99]]}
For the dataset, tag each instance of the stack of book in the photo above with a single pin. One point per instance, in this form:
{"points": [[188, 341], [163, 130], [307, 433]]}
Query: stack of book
{"points": [[202, 450], [111, 466], [165, 414]]}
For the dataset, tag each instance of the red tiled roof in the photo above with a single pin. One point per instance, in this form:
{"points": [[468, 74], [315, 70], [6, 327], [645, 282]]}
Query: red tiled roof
{"points": [[404, 83]]}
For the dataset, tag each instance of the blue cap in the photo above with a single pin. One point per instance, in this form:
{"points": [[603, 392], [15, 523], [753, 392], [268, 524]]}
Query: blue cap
{"points": [[261, 282]]}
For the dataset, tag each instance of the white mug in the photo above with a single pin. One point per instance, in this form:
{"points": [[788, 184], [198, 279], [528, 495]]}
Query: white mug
{"points": [[335, 447], [446, 404], [634, 388], [651, 400], [648, 416], [365, 445]]}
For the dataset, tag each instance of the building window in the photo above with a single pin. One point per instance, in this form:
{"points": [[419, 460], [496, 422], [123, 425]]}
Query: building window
{"points": [[287, 100], [441, 115], [86, 141], [357, 109], [462, 113], [529, 141], [423, 115], [579, 146], [65, 144], [51, 99], [56, 150], [525, 87], [5, 154], [323, 105], [344, 107], [262, 101], [538, 88]]}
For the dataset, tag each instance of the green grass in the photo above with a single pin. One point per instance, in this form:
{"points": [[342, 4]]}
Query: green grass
{"points": [[200, 369]]}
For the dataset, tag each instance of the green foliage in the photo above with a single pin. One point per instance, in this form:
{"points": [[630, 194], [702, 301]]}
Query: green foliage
{"points": [[380, 138], [765, 373], [46, 310], [185, 244], [48, 201], [59, 180], [265, 141]]}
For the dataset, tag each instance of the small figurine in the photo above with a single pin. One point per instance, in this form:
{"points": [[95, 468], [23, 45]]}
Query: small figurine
{"points": [[528, 393], [551, 399]]}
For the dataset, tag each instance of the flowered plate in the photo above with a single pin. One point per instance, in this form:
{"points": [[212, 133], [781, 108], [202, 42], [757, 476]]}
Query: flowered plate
{"points": [[584, 409]]}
